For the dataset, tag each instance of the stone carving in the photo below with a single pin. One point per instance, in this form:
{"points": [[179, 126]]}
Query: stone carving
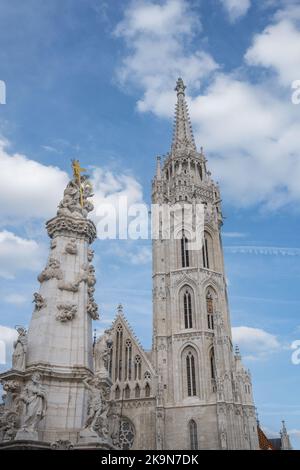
{"points": [[223, 437], [20, 349], [127, 433], [52, 271], [114, 421], [35, 404], [39, 301], [90, 255], [9, 410], [53, 244], [69, 286], [9, 422], [70, 204], [92, 309], [91, 278], [66, 312], [71, 247], [62, 445], [82, 228], [75, 201], [98, 406], [103, 351]]}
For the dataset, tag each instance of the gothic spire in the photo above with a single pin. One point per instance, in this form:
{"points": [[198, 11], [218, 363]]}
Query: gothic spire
{"points": [[183, 138]]}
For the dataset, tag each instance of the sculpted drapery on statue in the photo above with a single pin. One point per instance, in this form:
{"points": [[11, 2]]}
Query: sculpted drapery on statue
{"points": [[20, 348], [35, 405]]}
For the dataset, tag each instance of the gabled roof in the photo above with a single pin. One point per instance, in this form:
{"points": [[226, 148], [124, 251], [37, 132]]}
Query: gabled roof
{"points": [[120, 318]]}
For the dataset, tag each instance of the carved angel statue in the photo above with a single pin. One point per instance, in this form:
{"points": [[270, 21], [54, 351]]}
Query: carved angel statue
{"points": [[20, 349], [34, 399]]}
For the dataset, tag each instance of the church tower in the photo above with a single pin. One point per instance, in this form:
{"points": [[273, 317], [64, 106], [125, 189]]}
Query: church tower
{"points": [[206, 397]]}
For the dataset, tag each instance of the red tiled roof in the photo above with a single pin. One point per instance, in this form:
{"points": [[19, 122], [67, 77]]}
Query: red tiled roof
{"points": [[264, 443]]}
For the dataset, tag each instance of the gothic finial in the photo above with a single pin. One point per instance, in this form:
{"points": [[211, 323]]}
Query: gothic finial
{"points": [[180, 86], [237, 351], [283, 428], [120, 309]]}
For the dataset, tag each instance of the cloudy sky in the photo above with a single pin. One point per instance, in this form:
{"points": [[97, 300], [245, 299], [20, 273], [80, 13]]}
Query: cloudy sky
{"points": [[95, 80]]}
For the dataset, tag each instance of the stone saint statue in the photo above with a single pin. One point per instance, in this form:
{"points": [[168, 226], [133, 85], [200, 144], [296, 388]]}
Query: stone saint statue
{"points": [[20, 348], [94, 402], [34, 399], [104, 345]]}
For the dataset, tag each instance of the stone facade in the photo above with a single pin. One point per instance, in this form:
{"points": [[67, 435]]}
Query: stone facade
{"points": [[200, 393]]}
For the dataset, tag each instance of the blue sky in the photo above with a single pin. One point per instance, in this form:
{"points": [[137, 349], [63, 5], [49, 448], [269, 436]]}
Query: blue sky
{"points": [[94, 80]]}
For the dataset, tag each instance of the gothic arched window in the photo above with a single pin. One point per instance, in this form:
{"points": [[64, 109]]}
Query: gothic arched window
{"points": [[185, 256], [212, 364], [128, 359], [188, 307], [147, 390], [193, 435], [210, 310], [117, 392], [137, 391], [119, 345], [137, 368], [127, 391], [190, 372]]}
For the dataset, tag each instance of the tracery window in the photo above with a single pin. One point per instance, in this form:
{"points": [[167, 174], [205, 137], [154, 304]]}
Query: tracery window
{"points": [[137, 368], [185, 255], [188, 308], [128, 359], [119, 345], [190, 368]]}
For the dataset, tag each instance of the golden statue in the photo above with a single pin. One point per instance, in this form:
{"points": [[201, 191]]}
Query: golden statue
{"points": [[77, 170]]}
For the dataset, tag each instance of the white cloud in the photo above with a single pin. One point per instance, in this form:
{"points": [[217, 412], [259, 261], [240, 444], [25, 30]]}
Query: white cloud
{"points": [[28, 189], [277, 47], [114, 194], [294, 433], [18, 254], [236, 8], [254, 343], [7, 337], [234, 234], [130, 252], [250, 131], [159, 43], [15, 299]]}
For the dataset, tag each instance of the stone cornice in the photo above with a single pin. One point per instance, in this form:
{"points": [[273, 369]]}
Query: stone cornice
{"points": [[77, 227]]}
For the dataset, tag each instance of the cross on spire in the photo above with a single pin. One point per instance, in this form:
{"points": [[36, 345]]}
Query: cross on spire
{"points": [[183, 138]]}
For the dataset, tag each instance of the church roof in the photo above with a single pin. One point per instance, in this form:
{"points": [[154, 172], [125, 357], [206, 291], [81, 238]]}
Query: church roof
{"points": [[264, 442]]}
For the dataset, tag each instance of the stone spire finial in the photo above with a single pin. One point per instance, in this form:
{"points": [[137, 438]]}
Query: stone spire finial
{"points": [[120, 309], [283, 428], [183, 138], [180, 87], [237, 351]]}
